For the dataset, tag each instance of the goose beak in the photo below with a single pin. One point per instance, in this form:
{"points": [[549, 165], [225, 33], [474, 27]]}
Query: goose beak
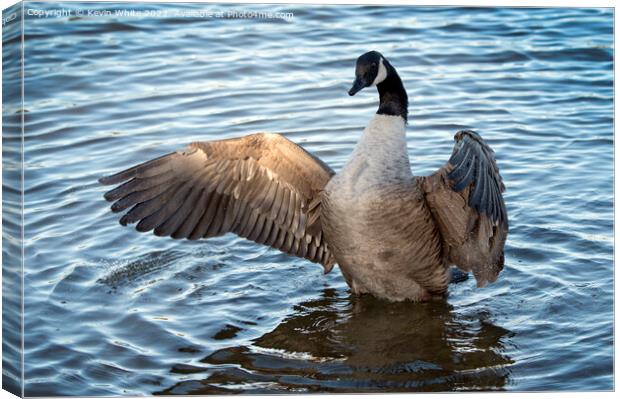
{"points": [[357, 86]]}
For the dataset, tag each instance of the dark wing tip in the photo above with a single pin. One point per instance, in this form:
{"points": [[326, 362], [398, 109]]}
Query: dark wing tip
{"points": [[461, 134], [107, 180], [118, 177], [132, 172], [109, 196], [474, 166]]}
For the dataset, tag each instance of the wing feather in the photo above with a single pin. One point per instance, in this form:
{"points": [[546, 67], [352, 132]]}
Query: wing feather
{"points": [[185, 230], [480, 188], [218, 217], [207, 216]]}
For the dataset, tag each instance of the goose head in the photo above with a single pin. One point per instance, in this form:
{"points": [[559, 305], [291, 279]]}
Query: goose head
{"points": [[371, 69]]}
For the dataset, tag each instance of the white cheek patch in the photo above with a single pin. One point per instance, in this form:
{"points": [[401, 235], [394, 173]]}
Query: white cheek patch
{"points": [[381, 75]]}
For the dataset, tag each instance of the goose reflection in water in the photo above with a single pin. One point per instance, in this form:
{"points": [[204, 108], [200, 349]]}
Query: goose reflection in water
{"points": [[361, 344]]}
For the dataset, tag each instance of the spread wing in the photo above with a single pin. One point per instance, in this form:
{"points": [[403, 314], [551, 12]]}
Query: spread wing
{"points": [[465, 197], [262, 187]]}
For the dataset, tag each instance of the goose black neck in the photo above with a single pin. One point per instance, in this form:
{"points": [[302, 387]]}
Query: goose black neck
{"points": [[392, 95]]}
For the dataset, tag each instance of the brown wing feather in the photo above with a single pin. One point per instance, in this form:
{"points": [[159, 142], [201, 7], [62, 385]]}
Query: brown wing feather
{"points": [[465, 197], [262, 187]]}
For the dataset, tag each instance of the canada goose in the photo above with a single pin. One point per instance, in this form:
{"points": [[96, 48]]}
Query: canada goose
{"points": [[394, 235]]}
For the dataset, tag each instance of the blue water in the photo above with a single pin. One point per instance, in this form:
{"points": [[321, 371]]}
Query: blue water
{"points": [[110, 311]]}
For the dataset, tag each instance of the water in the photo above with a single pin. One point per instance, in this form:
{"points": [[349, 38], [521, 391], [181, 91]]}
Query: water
{"points": [[110, 311]]}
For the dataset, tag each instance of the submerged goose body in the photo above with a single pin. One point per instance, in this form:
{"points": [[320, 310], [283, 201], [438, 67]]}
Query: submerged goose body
{"points": [[374, 214], [393, 234]]}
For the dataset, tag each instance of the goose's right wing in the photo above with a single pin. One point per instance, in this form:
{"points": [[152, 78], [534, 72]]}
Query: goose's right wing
{"points": [[262, 187]]}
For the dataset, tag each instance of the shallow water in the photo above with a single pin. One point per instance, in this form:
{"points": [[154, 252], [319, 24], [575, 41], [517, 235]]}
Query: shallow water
{"points": [[110, 311]]}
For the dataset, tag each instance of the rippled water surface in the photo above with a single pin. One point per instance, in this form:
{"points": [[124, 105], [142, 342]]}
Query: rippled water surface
{"points": [[110, 311]]}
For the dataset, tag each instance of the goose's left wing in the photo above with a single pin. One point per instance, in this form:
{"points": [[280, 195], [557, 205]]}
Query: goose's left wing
{"points": [[465, 198]]}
